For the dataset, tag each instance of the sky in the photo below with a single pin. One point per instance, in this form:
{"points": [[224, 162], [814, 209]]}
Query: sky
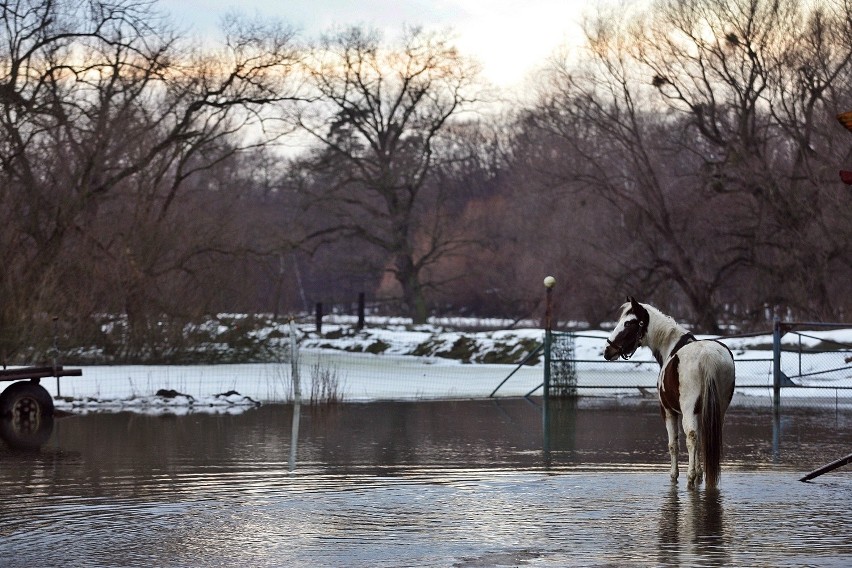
{"points": [[510, 38]]}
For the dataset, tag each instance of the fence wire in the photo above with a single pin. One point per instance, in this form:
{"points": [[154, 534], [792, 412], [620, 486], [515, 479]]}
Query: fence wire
{"points": [[814, 371]]}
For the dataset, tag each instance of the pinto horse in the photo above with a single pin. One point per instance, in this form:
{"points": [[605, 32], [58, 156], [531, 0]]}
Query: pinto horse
{"points": [[696, 382]]}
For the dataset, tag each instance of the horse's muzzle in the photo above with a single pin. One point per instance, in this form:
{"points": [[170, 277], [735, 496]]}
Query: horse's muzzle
{"points": [[611, 353]]}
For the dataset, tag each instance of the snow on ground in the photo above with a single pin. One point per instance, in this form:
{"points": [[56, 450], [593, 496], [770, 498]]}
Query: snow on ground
{"points": [[379, 364]]}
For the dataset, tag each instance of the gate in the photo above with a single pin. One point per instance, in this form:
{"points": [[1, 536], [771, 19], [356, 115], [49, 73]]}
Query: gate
{"points": [[810, 368]]}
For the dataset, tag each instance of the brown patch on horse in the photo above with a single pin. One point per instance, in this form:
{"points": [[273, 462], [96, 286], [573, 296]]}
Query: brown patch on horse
{"points": [[670, 389]]}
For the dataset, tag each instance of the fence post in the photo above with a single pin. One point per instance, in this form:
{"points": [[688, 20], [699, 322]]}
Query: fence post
{"points": [[294, 364], [297, 394], [319, 318], [776, 363], [360, 311], [56, 353], [549, 282]]}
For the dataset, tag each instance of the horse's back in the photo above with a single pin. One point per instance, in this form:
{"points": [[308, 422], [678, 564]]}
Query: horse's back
{"points": [[710, 360]]}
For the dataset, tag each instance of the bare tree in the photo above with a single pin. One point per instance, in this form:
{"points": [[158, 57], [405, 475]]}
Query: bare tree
{"points": [[699, 128], [106, 117], [760, 83], [380, 112]]}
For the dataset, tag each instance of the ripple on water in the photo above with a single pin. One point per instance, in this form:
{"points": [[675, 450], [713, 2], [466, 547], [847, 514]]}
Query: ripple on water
{"points": [[416, 500]]}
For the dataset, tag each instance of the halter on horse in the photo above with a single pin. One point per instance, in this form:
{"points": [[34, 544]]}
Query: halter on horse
{"points": [[696, 382]]}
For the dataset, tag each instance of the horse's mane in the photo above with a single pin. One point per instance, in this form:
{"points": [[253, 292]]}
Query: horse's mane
{"points": [[662, 329]]}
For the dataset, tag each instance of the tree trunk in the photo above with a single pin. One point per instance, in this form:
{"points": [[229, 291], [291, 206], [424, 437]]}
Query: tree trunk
{"points": [[705, 314], [413, 298]]}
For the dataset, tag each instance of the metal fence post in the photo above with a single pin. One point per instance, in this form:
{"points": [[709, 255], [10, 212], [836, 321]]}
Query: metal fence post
{"points": [[549, 282], [776, 363], [297, 394], [56, 353], [294, 364]]}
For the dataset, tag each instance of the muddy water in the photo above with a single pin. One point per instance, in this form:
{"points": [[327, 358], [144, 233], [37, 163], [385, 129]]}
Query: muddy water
{"points": [[475, 483]]}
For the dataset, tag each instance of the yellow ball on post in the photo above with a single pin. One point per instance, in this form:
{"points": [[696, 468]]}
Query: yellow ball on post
{"points": [[549, 282]]}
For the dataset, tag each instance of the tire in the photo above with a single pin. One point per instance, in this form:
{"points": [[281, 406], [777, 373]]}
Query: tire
{"points": [[25, 400]]}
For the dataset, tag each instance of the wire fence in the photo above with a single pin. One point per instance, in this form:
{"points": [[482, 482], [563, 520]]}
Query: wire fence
{"points": [[812, 364], [797, 365], [803, 366]]}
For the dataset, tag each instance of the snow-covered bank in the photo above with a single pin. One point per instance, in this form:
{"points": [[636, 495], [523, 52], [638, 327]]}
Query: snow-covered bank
{"points": [[360, 377], [397, 363]]}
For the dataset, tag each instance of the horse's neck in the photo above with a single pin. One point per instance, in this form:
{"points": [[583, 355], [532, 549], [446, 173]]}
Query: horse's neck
{"points": [[663, 334]]}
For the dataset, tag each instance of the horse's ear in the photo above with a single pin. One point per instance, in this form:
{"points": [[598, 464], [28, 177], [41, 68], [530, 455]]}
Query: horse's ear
{"points": [[640, 311], [632, 300]]}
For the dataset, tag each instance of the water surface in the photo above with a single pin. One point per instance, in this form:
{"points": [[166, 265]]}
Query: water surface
{"points": [[463, 483]]}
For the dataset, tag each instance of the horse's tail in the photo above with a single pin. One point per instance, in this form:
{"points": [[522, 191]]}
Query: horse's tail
{"points": [[711, 430]]}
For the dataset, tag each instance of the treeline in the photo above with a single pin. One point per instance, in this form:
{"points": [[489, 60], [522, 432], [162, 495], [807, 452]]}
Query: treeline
{"points": [[687, 156]]}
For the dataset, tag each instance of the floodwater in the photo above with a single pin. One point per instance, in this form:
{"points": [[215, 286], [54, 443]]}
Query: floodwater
{"points": [[463, 483]]}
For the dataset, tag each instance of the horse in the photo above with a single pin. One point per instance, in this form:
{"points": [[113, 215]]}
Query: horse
{"points": [[696, 382]]}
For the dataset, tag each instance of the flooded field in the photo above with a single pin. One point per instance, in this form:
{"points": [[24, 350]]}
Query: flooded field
{"points": [[466, 483]]}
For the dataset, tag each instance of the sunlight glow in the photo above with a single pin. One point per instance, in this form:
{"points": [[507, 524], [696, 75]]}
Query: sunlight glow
{"points": [[510, 39]]}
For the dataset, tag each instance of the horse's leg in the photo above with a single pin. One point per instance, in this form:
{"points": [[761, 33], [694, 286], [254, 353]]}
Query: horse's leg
{"points": [[699, 465], [672, 429], [690, 428]]}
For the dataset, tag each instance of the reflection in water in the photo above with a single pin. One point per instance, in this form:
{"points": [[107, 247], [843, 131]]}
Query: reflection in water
{"points": [[709, 527], [670, 527], [692, 526], [776, 437], [294, 434], [560, 429], [425, 484], [26, 434]]}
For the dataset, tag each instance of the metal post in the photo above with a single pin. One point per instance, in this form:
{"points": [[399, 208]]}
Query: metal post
{"points": [[297, 394], [800, 353], [776, 363], [56, 353], [294, 364], [549, 282]]}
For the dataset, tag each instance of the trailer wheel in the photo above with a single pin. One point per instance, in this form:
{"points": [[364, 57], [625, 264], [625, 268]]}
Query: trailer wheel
{"points": [[26, 402]]}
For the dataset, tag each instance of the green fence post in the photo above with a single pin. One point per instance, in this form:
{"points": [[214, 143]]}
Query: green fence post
{"points": [[549, 282]]}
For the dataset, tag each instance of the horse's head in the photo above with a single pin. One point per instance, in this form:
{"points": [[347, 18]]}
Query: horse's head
{"points": [[627, 336]]}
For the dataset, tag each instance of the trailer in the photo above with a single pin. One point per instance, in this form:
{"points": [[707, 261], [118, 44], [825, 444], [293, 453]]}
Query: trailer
{"points": [[25, 399], [26, 408]]}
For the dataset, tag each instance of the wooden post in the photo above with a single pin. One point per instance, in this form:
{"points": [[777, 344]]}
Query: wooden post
{"points": [[319, 318], [828, 467], [360, 311]]}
